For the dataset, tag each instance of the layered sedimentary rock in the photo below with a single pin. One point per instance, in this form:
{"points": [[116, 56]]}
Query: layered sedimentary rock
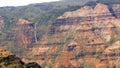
{"points": [[22, 33], [84, 11], [85, 37], [101, 9], [98, 10]]}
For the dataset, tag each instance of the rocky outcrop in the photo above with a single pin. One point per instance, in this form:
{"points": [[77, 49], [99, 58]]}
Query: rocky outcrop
{"points": [[8, 60], [11, 61], [98, 10], [113, 49], [85, 37], [23, 33], [23, 21], [4, 53], [91, 37], [101, 9], [84, 11]]}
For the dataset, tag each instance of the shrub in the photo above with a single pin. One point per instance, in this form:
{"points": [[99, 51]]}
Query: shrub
{"points": [[112, 40], [89, 65], [33, 65]]}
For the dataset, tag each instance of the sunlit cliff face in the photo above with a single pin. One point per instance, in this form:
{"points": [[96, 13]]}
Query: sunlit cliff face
{"points": [[88, 36], [99, 9]]}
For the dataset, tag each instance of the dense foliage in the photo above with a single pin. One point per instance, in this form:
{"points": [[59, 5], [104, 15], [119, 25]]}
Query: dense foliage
{"points": [[41, 12], [108, 2]]}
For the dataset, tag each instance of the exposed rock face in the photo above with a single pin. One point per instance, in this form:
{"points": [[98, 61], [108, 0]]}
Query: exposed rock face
{"points": [[85, 11], [85, 37], [11, 61], [8, 60], [4, 53], [23, 21], [101, 9], [23, 33], [114, 48], [98, 10]]}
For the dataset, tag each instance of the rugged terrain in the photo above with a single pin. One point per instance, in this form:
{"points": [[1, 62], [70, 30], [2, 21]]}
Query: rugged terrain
{"points": [[87, 37], [84, 38], [8, 60]]}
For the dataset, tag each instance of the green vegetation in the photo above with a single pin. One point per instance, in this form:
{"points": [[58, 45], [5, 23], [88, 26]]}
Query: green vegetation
{"points": [[11, 62], [32, 65], [109, 1], [42, 13], [91, 3], [112, 40], [65, 67], [99, 53], [14, 49], [45, 14], [60, 48], [117, 33], [43, 65], [48, 65], [89, 65], [61, 66]]}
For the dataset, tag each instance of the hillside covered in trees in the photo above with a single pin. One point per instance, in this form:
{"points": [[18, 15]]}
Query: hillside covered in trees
{"points": [[40, 12]]}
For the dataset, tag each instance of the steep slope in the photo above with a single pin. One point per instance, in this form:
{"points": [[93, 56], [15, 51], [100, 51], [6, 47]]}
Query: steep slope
{"points": [[23, 33], [81, 38], [8, 60], [87, 11], [42, 13], [86, 37]]}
